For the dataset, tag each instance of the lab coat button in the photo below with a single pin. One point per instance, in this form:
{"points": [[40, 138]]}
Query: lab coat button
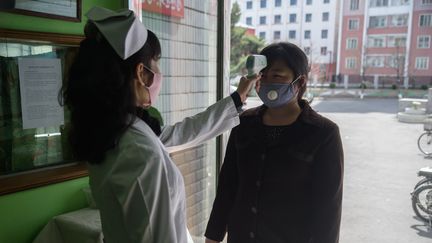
{"points": [[263, 156], [254, 210], [252, 235], [258, 183]]}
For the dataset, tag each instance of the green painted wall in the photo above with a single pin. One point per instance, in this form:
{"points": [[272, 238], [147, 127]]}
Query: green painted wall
{"points": [[23, 214], [24, 22]]}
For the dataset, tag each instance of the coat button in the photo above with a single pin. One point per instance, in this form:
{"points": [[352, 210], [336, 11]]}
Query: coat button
{"points": [[252, 235], [254, 210], [258, 183], [263, 156]]}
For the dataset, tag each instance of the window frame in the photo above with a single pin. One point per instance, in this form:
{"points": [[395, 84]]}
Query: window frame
{"points": [[428, 41], [350, 60], [417, 59], [351, 46]]}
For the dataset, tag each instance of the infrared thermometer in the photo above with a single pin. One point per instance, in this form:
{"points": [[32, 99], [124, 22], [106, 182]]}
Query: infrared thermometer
{"points": [[254, 64]]}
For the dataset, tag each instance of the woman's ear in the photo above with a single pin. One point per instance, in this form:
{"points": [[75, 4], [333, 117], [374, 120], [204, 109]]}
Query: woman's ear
{"points": [[140, 74]]}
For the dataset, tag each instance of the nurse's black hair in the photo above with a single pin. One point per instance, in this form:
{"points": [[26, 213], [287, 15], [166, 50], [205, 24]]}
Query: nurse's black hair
{"points": [[99, 93], [293, 56]]}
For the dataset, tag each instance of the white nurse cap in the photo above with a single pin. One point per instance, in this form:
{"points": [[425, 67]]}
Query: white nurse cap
{"points": [[123, 31]]}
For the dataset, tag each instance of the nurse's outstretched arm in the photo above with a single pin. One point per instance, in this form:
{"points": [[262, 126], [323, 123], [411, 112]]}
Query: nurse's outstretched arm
{"points": [[216, 119]]}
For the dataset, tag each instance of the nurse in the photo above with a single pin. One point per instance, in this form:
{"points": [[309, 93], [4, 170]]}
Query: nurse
{"points": [[112, 82]]}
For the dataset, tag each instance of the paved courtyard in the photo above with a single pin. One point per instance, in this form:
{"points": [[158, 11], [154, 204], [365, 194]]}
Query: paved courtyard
{"points": [[381, 162]]}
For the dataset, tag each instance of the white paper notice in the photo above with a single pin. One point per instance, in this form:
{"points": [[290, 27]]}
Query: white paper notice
{"points": [[40, 82]]}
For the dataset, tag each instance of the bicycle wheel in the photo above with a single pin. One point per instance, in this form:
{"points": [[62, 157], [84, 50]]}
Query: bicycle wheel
{"points": [[424, 143], [427, 181], [422, 202]]}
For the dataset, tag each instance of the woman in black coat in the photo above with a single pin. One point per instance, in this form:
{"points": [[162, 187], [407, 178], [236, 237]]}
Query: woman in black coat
{"points": [[281, 181]]}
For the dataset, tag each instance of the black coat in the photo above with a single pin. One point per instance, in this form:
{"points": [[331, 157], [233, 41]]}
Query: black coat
{"points": [[289, 191]]}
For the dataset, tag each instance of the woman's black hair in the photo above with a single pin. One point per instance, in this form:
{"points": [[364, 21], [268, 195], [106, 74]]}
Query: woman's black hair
{"points": [[99, 93], [293, 56]]}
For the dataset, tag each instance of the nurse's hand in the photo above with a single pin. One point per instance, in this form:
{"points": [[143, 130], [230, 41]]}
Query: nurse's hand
{"points": [[245, 85], [211, 241]]}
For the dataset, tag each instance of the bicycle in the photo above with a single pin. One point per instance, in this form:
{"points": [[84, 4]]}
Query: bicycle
{"points": [[421, 197], [424, 142]]}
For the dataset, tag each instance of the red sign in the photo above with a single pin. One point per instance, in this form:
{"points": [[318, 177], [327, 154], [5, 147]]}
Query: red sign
{"points": [[166, 7]]}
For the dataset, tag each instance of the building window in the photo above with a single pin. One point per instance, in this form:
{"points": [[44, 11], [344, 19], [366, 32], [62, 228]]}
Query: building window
{"points": [[249, 20], [326, 1], [353, 24], [293, 2], [324, 34], [350, 63], [423, 41], [354, 4], [378, 3], [308, 2], [375, 61], [422, 63], [276, 35], [377, 21], [400, 2], [307, 50], [263, 20], [323, 50], [399, 20], [277, 19], [376, 41], [278, 3], [293, 18], [396, 41], [396, 61], [308, 17], [292, 34], [351, 43], [307, 34], [425, 20], [426, 2], [262, 35], [249, 5], [263, 3], [325, 17]]}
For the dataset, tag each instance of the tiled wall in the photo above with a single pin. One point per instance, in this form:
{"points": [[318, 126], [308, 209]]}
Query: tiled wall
{"points": [[189, 86]]}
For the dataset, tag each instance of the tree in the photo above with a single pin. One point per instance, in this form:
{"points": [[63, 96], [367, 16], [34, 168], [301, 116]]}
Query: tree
{"points": [[242, 44]]}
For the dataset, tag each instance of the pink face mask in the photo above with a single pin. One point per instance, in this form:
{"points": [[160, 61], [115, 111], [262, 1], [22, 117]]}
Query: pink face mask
{"points": [[155, 87]]}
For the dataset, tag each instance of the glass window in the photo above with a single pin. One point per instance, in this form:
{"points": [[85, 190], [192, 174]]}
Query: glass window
{"points": [[326, 1], [422, 63], [292, 34], [376, 41], [399, 20], [375, 61], [378, 3], [293, 18], [399, 2], [426, 2], [323, 51], [263, 3], [307, 34], [249, 5], [351, 43], [293, 2], [277, 19], [354, 4], [423, 41], [262, 35], [278, 3], [377, 21], [325, 16], [276, 35], [308, 17], [350, 62], [308, 2], [324, 34], [263, 20], [307, 50], [425, 20], [249, 20], [396, 41], [353, 24], [197, 70]]}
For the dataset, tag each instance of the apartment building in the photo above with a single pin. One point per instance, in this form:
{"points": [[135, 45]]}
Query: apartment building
{"points": [[311, 24], [385, 42]]}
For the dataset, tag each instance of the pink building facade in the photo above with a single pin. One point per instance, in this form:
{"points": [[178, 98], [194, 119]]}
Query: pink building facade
{"points": [[385, 43]]}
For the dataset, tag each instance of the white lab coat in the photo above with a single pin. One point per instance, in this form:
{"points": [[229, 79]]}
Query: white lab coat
{"points": [[139, 190]]}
